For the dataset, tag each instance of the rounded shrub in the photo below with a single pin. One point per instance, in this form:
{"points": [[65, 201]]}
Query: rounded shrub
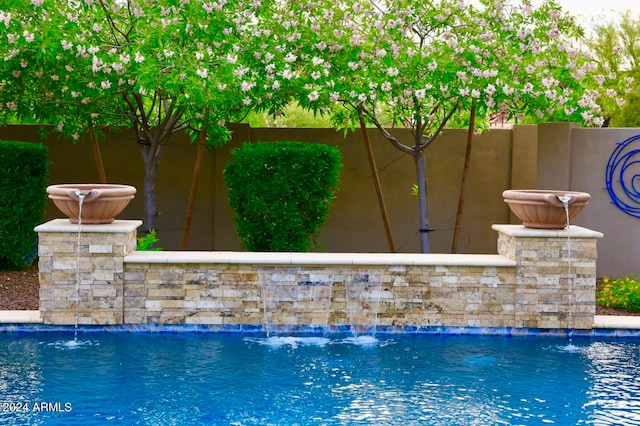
{"points": [[24, 174], [281, 193]]}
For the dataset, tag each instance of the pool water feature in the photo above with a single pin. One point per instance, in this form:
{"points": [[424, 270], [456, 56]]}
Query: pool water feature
{"points": [[565, 199], [81, 196], [362, 296], [227, 378]]}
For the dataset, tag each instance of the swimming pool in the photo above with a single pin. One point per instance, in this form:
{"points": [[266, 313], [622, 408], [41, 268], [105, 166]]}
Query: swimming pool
{"points": [[226, 378]]}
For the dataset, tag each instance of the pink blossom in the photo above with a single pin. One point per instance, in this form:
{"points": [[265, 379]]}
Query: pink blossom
{"points": [[5, 17], [245, 86], [28, 37], [287, 74]]}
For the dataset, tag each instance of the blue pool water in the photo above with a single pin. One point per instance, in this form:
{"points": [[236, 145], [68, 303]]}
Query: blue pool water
{"points": [[231, 379]]}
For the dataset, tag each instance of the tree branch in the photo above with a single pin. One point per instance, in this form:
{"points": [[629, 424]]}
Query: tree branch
{"points": [[444, 122]]}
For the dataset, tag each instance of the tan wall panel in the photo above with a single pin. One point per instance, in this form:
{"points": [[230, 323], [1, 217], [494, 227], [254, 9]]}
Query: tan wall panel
{"points": [[355, 223]]}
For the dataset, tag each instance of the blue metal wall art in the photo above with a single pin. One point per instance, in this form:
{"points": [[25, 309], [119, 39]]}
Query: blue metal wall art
{"points": [[623, 176]]}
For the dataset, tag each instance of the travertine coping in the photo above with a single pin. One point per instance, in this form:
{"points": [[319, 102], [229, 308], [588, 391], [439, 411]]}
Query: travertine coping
{"points": [[522, 232], [287, 258], [20, 317], [64, 225]]}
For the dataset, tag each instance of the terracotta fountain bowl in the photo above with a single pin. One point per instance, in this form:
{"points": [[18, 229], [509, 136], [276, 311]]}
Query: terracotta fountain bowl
{"points": [[102, 202], [543, 209]]}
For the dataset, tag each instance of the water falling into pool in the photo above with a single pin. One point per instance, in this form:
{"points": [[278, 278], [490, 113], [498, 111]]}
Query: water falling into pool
{"points": [[72, 344], [287, 298], [363, 291], [565, 199]]}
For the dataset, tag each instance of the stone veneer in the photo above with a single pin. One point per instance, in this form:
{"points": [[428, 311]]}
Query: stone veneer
{"points": [[539, 279]]}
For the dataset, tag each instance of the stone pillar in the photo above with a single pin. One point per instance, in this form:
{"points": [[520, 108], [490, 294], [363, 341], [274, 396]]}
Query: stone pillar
{"points": [[555, 275], [82, 271]]}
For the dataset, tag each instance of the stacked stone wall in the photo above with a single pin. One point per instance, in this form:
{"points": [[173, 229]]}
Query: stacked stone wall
{"points": [[539, 279]]}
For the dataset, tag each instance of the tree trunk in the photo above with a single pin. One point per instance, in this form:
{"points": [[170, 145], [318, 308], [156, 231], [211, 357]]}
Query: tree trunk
{"points": [[376, 183], [194, 188], [97, 157], [463, 186], [150, 178], [421, 172]]}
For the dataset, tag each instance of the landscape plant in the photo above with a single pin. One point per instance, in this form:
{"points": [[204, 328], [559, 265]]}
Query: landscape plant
{"points": [[616, 47], [281, 193], [24, 175], [158, 67], [148, 242], [621, 293], [418, 66]]}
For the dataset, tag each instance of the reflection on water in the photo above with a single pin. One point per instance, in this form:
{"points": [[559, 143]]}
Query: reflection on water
{"points": [[220, 379], [614, 396]]}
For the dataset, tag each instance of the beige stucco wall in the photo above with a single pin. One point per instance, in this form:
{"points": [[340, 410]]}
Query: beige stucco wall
{"points": [[355, 223], [548, 156], [575, 158]]}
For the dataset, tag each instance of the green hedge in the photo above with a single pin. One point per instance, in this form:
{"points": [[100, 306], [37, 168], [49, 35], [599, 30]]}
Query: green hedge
{"points": [[281, 193], [24, 174]]}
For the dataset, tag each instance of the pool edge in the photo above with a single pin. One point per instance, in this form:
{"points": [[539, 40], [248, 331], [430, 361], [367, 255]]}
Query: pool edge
{"points": [[604, 326]]}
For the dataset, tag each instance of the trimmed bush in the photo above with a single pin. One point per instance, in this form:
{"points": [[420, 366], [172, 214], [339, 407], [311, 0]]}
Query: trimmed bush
{"points": [[24, 174], [281, 193]]}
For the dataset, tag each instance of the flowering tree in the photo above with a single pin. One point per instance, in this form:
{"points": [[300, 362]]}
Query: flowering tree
{"points": [[616, 46], [157, 66], [420, 64]]}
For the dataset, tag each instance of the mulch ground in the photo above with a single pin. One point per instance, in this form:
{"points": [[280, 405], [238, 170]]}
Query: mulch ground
{"points": [[19, 290]]}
